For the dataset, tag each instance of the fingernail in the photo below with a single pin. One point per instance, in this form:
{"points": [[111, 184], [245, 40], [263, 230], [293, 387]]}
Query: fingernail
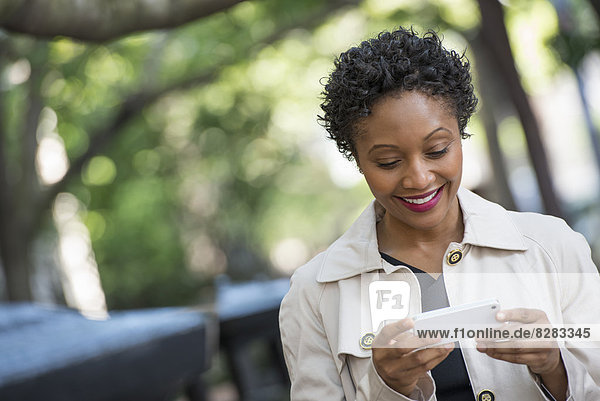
{"points": [[500, 316]]}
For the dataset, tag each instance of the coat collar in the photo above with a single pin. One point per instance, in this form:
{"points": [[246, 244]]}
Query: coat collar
{"points": [[487, 224]]}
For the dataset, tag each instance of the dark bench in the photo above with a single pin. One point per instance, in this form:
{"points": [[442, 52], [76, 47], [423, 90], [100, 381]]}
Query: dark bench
{"points": [[248, 315], [55, 354]]}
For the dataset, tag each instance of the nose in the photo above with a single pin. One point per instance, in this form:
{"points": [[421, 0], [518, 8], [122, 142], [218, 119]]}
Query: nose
{"points": [[417, 175]]}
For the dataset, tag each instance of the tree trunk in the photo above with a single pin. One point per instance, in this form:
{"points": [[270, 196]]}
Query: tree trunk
{"points": [[494, 34], [596, 6], [15, 259], [13, 247], [19, 197], [493, 98]]}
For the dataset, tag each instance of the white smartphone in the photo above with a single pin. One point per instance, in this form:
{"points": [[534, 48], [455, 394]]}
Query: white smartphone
{"points": [[471, 316]]}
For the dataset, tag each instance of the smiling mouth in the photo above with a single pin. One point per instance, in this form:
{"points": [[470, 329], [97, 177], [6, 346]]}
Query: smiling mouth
{"points": [[419, 200], [424, 202]]}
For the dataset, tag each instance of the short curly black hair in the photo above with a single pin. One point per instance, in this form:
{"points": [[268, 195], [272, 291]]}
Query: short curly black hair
{"points": [[389, 64]]}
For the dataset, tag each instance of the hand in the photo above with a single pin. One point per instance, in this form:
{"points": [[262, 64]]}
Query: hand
{"points": [[397, 360], [541, 357]]}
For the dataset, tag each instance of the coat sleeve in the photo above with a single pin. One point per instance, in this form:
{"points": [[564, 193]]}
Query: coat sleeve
{"points": [[580, 297], [314, 372]]}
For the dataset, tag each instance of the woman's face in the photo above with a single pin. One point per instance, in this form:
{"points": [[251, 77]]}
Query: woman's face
{"points": [[410, 153]]}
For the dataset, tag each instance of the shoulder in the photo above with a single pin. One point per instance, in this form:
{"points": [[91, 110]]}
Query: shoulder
{"points": [[303, 283], [308, 272], [491, 222], [542, 228], [548, 231], [554, 237], [490, 225]]}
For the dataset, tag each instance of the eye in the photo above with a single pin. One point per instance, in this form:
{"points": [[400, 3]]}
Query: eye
{"points": [[438, 154], [388, 165]]}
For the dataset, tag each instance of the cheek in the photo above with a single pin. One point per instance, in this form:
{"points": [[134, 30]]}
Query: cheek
{"points": [[454, 167], [380, 182], [456, 170]]}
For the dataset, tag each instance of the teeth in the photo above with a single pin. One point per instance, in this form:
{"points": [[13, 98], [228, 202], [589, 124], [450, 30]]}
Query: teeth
{"points": [[421, 200]]}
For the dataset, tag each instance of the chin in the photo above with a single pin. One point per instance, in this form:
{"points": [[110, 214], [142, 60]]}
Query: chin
{"points": [[425, 225]]}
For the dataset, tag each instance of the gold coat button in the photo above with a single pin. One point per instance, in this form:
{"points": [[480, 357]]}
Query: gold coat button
{"points": [[366, 341], [454, 256], [485, 395]]}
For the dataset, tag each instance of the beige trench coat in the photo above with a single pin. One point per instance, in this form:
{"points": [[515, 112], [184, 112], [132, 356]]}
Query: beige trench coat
{"points": [[521, 259]]}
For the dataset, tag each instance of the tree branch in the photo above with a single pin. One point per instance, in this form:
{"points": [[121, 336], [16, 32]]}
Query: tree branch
{"points": [[133, 105], [99, 21]]}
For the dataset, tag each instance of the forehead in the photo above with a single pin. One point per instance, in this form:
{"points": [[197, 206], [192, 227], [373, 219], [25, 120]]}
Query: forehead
{"points": [[408, 116]]}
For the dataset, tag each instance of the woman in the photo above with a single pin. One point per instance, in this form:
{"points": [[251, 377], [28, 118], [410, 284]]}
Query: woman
{"points": [[399, 104]]}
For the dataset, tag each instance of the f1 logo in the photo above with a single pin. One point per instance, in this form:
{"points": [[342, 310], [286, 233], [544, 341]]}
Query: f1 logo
{"points": [[389, 300]]}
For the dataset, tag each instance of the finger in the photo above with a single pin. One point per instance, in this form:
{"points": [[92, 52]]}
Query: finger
{"points": [[541, 353], [523, 315], [422, 361], [517, 346], [405, 341], [395, 348], [390, 353], [408, 342], [405, 344], [410, 367], [533, 360], [389, 331], [511, 350]]}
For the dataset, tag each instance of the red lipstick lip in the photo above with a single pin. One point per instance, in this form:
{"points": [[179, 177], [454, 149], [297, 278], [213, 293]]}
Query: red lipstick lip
{"points": [[423, 207], [420, 196]]}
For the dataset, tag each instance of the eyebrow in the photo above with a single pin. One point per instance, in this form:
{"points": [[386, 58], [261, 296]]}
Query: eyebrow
{"points": [[375, 147]]}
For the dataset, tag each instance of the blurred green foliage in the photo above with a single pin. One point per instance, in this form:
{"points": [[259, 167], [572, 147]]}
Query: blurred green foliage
{"points": [[226, 161]]}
